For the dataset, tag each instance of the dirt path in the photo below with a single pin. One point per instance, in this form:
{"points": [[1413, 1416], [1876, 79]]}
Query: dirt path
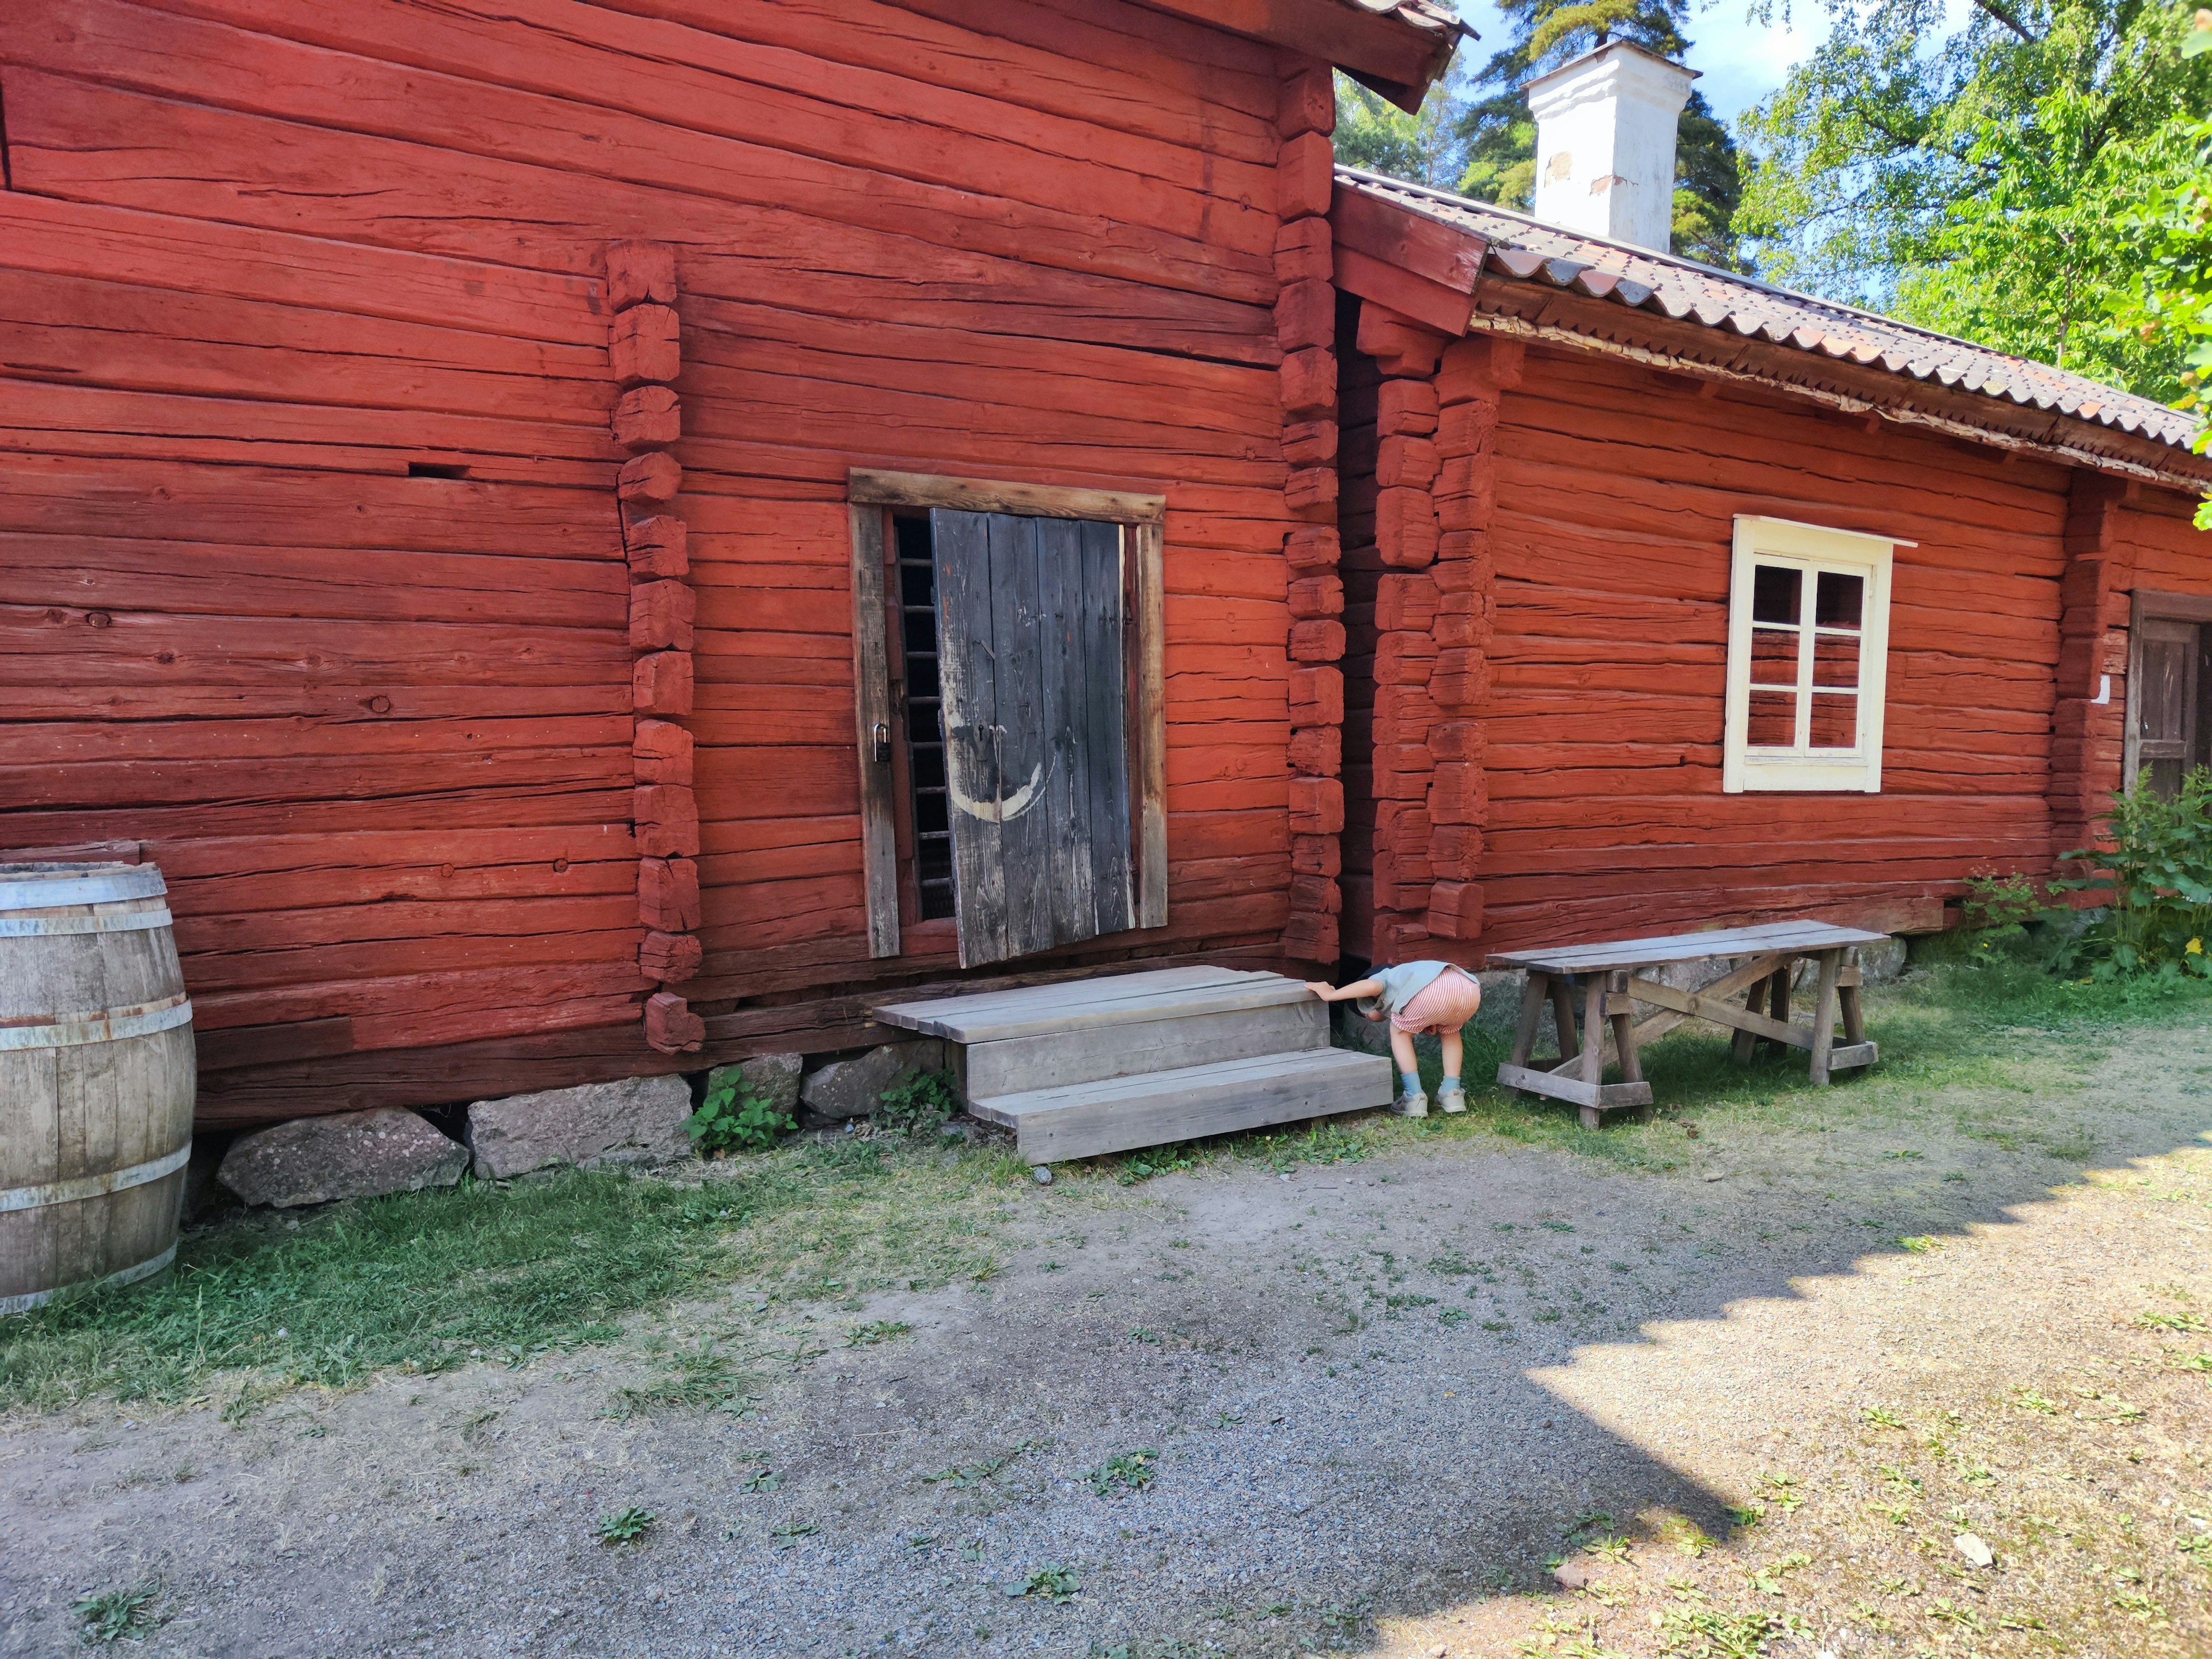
{"points": [[1381, 1398]]}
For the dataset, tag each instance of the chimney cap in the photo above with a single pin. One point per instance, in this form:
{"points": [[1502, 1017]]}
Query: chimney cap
{"points": [[1610, 49]]}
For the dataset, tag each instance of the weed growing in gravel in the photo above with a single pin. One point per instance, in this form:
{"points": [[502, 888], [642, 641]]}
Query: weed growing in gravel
{"points": [[875, 1331], [625, 1525], [963, 1476], [118, 1615], [1125, 1472], [1050, 1583]]}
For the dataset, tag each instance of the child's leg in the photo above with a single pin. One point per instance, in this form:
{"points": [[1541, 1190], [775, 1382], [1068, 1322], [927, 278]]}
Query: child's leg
{"points": [[1449, 1095], [1410, 1097]]}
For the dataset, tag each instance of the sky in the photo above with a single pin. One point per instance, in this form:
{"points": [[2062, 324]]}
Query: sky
{"points": [[1740, 62]]}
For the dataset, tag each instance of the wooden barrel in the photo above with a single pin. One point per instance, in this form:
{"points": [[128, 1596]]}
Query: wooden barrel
{"points": [[96, 1078]]}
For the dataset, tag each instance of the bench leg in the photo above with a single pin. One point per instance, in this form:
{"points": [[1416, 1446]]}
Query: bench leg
{"points": [[1848, 995], [1532, 998], [1823, 1015], [1563, 1016], [1593, 1051], [1778, 1004], [1623, 1041], [1747, 1043]]}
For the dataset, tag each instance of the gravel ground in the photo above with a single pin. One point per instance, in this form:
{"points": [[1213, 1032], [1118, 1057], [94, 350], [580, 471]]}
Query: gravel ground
{"points": [[1383, 1397]]}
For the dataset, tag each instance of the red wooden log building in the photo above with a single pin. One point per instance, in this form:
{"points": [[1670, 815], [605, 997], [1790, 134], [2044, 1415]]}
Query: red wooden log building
{"points": [[595, 536]]}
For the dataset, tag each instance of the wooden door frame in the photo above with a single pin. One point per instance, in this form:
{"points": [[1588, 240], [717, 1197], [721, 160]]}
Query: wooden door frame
{"points": [[872, 496], [2148, 605]]}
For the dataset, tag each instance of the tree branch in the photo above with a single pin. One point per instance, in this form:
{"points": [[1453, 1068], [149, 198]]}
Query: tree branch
{"points": [[1995, 10]]}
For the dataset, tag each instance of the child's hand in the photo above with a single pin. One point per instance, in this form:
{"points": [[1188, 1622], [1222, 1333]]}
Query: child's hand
{"points": [[1320, 989]]}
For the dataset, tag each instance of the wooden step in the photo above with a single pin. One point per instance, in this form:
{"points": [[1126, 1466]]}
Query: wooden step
{"points": [[1108, 1000], [1086, 1119], [1091, 1053]]}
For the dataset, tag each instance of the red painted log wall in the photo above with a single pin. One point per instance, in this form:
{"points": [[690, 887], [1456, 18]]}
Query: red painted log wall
{"points": [[295, 245], [1610, 501]]}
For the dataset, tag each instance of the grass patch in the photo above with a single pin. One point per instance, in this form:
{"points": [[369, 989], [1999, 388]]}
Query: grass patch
{"points": [[427, 1281], [431, 1280]]}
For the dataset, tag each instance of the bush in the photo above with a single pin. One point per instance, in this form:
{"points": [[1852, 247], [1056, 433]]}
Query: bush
{"points": [[2154, 882], [920, 1103], [732, 1118]]}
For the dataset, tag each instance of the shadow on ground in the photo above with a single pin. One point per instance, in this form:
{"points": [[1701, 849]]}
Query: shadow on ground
{"points": [[1380, 1397]]}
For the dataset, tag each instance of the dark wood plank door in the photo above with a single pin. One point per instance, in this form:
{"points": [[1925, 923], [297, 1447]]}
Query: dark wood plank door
{"points": [[1030, 624], [2166, 700]]}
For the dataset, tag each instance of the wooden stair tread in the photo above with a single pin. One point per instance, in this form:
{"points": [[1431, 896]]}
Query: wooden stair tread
{"points": [[1083, 1120], [1314, 1063], [1115, 1000]]}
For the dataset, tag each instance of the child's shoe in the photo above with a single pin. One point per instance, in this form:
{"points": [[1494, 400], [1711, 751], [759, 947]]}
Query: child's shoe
{"points": [[1452, 1098], [1412, 1102]]}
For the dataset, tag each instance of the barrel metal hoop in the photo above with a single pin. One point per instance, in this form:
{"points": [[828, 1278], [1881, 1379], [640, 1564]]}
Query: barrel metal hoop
{"points": [[112, 921], [101, 1024], [147, 1269], [109, 885], [96, 1185]]}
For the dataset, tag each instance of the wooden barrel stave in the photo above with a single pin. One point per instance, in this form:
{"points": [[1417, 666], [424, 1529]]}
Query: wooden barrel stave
{"points": [[97, 1073]]}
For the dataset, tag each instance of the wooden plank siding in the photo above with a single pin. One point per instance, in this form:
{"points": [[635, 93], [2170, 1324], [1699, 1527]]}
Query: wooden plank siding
{"points": [[270, 252], [1612, 492]]}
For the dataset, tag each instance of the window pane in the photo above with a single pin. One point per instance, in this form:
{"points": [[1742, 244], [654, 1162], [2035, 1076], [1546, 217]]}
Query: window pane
{"points": [[1836, 599], [1775, 591], [1773, 723], [915, 587], [921, 630], [921, 677], [1836, 659], [1774, 657], [1835, 720]]}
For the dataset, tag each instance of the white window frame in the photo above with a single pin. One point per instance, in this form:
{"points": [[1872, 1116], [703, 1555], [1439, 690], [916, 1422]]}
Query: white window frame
{"points": [[1811, 549]]}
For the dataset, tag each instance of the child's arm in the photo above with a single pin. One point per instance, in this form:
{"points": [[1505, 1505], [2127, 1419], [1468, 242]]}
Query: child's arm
{"points": [[1364, 987]]}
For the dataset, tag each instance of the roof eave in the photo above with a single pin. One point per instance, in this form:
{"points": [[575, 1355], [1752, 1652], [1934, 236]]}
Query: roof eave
{"points": [[1433, 270], [1380, 50]]}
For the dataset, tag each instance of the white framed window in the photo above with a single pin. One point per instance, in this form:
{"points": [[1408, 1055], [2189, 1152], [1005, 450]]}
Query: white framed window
{"points": [[1808, 658]]}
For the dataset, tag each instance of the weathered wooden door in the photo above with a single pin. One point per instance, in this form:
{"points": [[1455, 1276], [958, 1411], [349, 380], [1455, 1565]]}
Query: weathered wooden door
{"points": [[2168, 673], [1034, 683]]}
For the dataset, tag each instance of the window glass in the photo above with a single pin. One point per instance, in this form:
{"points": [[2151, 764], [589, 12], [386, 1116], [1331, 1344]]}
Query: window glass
{"points": [[1773, 723], [1836, 599], [1774, 657], [1774, 594], [1835, 720], [1835, 660]]}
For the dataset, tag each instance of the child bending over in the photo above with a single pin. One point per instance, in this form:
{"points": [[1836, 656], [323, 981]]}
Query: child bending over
{"points": [[1416, 997]]}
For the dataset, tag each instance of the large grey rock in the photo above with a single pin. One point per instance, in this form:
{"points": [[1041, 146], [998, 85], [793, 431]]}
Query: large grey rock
{"points": [[851, 1088], [638, 1119], [774, 1078], [317, 1160], [1882, 963]]}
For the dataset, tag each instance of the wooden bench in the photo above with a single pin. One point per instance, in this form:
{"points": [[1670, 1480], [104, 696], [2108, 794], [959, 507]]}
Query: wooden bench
{"points": [[1608, 978]]}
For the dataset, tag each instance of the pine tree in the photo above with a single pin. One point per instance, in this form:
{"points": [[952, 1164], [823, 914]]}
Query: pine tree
{"points": [[1500, 135]]}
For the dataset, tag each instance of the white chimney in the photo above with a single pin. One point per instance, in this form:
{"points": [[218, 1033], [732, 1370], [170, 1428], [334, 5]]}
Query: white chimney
{"points": [[1605, 143]]}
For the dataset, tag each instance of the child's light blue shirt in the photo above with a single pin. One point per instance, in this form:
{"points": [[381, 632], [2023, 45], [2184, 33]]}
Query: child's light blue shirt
{"points": [[1400, 985]]}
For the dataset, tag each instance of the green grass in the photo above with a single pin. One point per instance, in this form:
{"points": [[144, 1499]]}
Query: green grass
{"points": [[430, 1281]]}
